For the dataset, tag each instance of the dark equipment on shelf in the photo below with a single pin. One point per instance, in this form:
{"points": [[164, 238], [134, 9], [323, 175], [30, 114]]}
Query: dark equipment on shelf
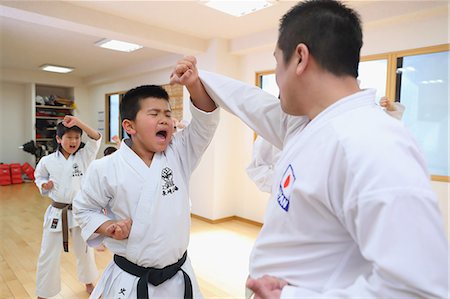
{"points": [[38, 151]]}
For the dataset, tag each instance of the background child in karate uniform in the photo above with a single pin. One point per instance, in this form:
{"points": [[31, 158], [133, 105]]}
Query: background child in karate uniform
{"points": [[59, 176]]}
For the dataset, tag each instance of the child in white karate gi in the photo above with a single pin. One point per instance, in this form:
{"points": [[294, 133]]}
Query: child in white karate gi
{"points": [[144, 187], [59, 176]]}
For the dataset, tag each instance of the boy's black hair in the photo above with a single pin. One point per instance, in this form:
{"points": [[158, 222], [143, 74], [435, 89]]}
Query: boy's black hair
{"points": [[61, 129], [109, 150], [331, 31], [130, 104]]}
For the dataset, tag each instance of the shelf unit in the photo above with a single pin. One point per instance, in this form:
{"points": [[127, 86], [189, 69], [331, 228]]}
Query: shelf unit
{"points": [[51, 104]]}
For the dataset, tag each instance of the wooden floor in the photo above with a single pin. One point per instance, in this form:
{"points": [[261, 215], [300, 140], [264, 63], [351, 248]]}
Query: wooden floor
{"points": [[219, 252]]}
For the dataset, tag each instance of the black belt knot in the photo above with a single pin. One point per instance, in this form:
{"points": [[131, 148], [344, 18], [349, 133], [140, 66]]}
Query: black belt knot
{"points": [[154, 276]]}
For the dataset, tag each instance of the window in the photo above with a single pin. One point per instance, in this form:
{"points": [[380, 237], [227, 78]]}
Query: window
{"points": [[113, 124], [373, 74], [422, 86], [266, 80]]}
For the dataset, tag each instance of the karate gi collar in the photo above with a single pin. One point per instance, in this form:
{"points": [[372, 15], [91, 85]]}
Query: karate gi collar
{"points": [[365, 97], [135, 162]]}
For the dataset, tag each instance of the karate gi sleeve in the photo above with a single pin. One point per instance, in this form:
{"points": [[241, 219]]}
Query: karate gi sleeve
{"points": [[195, 138], [258, 109], [90, 151], [88, 205], [42, 176], [261, 168]]}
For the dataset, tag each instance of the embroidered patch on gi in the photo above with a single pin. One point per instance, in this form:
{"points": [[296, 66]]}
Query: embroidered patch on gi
{"points": [[285, 187], [168, 186], [76, 170], [122, 291], [54, 223]]}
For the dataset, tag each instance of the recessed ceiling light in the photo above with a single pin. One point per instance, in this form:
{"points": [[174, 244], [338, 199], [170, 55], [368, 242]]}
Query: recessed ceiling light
{"points": [[56, 68], [118, 45], [238, 8]]}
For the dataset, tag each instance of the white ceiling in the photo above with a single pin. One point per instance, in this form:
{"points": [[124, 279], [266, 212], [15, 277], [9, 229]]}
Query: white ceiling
{"points": [[64, 32]]}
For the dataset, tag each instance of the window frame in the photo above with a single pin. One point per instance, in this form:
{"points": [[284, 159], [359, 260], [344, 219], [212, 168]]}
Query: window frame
{"points": [[107, 118]]}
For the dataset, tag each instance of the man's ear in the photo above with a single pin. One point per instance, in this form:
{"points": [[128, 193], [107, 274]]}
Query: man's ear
{"points": [[128, 126], [302, 56]]}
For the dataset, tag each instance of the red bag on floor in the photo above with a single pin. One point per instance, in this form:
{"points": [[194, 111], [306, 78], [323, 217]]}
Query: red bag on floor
{"points": [[28, 170], [5, 175], [16, 173]]}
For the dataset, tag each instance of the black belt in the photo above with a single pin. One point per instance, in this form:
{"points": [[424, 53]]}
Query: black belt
{"points": [[154, 276], [64, 223]]}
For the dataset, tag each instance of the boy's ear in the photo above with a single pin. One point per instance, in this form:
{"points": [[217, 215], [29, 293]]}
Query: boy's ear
{"points": [[128, 126], [58, 139]]}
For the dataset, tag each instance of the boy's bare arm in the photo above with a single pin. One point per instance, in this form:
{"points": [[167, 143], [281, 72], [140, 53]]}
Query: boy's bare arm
{"points": [[70, 121], [186, 73]]}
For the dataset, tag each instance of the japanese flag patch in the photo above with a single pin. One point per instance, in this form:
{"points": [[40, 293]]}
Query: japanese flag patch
{"points": [[285, 188]]}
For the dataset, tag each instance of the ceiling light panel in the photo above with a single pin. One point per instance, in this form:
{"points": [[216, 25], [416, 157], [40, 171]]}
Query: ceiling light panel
{"points": [[118, 45], [238, 8], [56, 68]]}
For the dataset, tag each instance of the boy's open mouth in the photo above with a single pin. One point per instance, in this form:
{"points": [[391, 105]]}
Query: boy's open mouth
{"points": [[161, 134]]}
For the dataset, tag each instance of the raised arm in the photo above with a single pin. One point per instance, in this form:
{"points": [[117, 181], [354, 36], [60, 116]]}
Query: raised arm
{"points": [[261, 111], [70, 121], [186, 73]]}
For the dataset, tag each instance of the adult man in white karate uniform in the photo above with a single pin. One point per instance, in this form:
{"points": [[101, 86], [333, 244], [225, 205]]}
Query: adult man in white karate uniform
{"points": [[352, 213]]}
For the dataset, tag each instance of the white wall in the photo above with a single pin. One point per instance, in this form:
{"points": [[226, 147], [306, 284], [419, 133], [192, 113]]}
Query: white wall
{"points": [[14, 125], [213, 183], [419, 30]]}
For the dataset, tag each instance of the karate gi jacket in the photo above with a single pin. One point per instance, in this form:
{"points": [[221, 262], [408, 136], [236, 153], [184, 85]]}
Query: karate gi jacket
{"points": [[264, 157], [67, 176], [352, 212]]}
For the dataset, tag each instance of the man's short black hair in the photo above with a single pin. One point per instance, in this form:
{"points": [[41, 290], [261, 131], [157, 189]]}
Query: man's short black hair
{"points": [[331, 31], [130, 104]]}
